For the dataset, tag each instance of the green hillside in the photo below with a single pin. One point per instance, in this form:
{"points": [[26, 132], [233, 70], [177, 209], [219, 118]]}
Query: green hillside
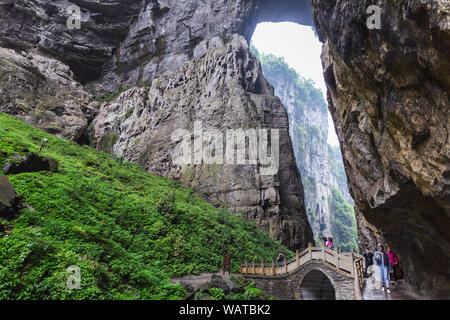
{"points": [[128, 231]]}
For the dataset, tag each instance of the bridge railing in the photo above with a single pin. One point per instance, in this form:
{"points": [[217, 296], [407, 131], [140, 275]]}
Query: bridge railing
{"points": [[344, 262]]}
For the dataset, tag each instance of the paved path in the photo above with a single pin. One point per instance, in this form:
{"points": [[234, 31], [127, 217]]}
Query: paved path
{"points": [[399, 291]]}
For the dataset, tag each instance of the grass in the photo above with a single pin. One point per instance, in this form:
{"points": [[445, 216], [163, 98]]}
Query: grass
{"points": [[127, 230]]}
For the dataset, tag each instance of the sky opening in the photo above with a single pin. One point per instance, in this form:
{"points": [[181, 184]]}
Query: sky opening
{"points": [[301, 49]]}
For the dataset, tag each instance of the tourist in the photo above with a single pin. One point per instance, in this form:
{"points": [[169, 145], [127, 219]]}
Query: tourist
{"points": [[394, 260], [280, 258], [383, 265], [330, 244], [324, 241], [368, 256]]}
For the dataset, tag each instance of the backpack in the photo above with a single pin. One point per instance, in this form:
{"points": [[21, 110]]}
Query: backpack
{"points": [[377, 258]]}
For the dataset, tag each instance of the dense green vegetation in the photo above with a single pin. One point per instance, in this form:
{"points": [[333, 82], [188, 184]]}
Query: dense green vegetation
{"points": [[127, 230], [343, 222]]}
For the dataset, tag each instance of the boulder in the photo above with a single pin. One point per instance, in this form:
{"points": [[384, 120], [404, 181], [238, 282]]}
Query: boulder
{"points": [[237, 283], [10, 202], [218, 282], [29, 163], [189, 288]]}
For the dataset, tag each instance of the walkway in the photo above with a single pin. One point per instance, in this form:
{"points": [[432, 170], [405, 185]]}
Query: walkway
{"points": [[399, 291]]}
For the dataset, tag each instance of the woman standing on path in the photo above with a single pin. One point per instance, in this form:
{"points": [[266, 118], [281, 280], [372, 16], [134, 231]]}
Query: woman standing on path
{"points": [[368, 256], [324, 241], [330, 244], [383, 264], [394, 260]]}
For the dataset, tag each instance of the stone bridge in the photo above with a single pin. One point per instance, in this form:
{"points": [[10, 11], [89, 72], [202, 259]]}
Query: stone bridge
{"points": [[316, 273]]}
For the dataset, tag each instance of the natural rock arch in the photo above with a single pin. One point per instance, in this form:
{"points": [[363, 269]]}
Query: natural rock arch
{"points": [[299, 11]]}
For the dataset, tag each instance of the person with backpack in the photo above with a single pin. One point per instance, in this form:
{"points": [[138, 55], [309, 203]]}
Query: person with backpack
{"points": [[368, 257], [394, 260], [383, 265]]}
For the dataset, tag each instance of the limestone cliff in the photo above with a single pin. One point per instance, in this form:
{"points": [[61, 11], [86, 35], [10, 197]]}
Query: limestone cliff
{"points": [[223, 90], [388, 93], [42, 91]]}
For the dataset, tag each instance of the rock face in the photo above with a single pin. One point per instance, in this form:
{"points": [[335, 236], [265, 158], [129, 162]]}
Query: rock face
{"points": [[128, 41], [29, 163], [224, 90], [10, 202], [42, 92], [42, 25], [388, 93]]}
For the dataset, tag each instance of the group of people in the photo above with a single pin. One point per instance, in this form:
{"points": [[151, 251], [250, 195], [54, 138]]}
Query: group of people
{"points": [[386, 264], [328, 242]]}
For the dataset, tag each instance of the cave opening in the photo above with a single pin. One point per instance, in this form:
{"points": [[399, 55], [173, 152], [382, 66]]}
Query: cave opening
{"points": [[290, 56]]}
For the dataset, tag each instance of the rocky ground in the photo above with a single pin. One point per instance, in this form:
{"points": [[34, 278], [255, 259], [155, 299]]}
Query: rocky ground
{"points": [[231, 287]]}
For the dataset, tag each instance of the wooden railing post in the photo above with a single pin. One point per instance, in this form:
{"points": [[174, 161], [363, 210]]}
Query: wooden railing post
{"points": [[297, 255], [310, 251], [285, 266], [337, 259], [263, 268], [324, 257], [253, 267], [273, 267], [353, 261]]}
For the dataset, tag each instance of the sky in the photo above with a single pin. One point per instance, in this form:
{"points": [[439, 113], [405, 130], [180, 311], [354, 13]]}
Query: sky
{"points": [[301, 49]]}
